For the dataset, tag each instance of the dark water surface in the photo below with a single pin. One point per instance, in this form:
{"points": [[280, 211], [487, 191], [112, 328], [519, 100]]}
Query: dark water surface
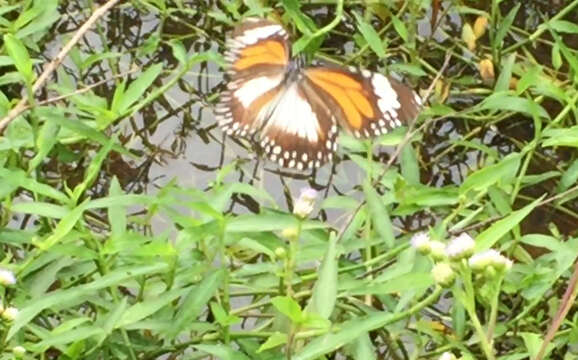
{"points": [[177, 137]]}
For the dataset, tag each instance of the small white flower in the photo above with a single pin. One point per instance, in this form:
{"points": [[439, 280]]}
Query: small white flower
{"points": [[502, 263], [443, 274], [10, 313], [305, 203], [7, 277], [437, 250], [481, 261], [421, 242], [18, 351], [447, 356], [460, 247]]}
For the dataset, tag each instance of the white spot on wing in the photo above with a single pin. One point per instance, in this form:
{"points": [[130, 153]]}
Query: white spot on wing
{"points": [[388, 97]]}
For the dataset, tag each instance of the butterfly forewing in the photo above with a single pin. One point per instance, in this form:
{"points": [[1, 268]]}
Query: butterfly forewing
{"points": [[257, 56], [367, 104]]}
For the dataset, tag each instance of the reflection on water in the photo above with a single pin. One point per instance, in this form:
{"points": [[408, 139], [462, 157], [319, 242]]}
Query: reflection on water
{"points": [[178, 138]]}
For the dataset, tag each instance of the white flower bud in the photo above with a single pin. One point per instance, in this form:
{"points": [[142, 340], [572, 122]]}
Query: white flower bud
{"points": [[438, 250], [447, 356], [490, 258], [18, 351], [7, 277], [10, 313], [305, 203], [443, 274], [461, 247], [421, 242]]}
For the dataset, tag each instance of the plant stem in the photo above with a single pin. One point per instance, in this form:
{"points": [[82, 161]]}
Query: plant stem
{"points": [[471, 309]]}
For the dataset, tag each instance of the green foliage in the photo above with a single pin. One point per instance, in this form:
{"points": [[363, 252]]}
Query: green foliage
{"points": [[120, 251]]}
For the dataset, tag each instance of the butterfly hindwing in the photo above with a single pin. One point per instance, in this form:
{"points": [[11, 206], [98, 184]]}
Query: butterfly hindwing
{"points": [[368, 104], [300, 132]]}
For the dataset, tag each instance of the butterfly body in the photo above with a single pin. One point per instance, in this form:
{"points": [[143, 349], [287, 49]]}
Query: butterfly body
{"points": [[293, 111]]}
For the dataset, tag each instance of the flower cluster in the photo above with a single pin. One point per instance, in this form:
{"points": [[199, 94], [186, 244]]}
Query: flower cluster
{"points": [[462, 247]]}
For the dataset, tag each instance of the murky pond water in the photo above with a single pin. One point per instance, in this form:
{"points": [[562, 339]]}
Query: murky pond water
{"points": [[177, 137]]}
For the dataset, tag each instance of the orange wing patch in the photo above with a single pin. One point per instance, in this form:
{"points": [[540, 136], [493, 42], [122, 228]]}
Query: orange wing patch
{"points": [[347, 92], [265, 52]]}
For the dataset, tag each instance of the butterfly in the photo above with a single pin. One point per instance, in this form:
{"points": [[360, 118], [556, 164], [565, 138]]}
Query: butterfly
{"points": [[295, 112]]}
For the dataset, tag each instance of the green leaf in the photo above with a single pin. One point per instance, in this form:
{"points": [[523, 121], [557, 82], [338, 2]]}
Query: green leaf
{"points": [[19, 178], [409, 165], [531, 77], [196, 300], [370, 35], [47, 138], [379, 216], [63, 228], [561, 137], [48, 210], [273, 341], [504, 26], [362, 348], [288, 307], [117, 213], [400, 284], [346, 333], [564, 26], [79, 127], [504, 101], [221, 352], [93, 170], [503, 82], [46, 15], [267, 222], [17, 51], [533, 343], [138, 87], [487, 176], [94, 58], [339, 202], [489, 237], [305, 24], [179, 51], [324, 295], [221, 315], [65, 338], [149, 306], [400, 27], [556, 57], [569, 178], [114, 317], [58, 297]]}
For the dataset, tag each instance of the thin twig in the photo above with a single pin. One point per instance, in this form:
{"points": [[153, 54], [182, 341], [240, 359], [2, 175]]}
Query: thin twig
{"points": [[565, 305], [81, 90], [53, 65]]}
